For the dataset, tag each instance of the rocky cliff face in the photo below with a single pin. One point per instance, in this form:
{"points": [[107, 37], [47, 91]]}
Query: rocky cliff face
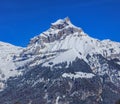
{"points": [[64, 65]]}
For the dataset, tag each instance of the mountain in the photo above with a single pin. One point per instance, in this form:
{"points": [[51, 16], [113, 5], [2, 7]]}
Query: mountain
{"points": [[63, 65], [7, 65]]}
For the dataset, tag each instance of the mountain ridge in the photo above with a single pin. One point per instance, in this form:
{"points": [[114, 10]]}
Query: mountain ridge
{"points": [[63, 65]]}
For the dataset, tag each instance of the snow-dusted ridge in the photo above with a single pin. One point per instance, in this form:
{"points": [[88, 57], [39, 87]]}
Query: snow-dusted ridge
{"points": [[61, 65], [62, 42], [7, 53], [63, 35], [7, 65]]}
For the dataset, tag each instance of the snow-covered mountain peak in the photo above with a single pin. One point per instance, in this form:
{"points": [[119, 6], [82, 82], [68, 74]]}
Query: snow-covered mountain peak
{"points": [[62, 40], [62, 57], [63, 22], [58, 30]]}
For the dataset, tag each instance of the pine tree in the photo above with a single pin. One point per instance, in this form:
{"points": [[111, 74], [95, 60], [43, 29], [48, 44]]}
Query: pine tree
{"points": [[118, 102]]}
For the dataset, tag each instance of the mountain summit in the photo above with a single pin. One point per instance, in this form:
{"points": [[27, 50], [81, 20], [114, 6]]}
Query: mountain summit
{"points": [[64, 65], [64, 36], [58, 30]]}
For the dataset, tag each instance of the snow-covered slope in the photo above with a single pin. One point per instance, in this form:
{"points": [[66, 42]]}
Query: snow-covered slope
{"points": [[62, 65], [7, 65], [64, 42]]}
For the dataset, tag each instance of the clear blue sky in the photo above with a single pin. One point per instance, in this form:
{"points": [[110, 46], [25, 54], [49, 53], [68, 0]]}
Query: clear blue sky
{"points": [[21, 20]]}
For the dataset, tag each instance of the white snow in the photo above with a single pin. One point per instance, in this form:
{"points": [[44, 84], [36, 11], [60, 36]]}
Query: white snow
{"points": [[75, 45], [7, 66], [60, 21], [67, 20], [67, 56], [79, 46], [57, 100], [78, 75], [2, 86], [118, 63]]}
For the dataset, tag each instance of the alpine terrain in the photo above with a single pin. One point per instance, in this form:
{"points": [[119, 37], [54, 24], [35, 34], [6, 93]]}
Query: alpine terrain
{"points": [[62, 65]]}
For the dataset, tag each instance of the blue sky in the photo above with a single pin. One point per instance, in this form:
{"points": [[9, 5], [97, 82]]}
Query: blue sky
{"points": [[21, 20]]}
